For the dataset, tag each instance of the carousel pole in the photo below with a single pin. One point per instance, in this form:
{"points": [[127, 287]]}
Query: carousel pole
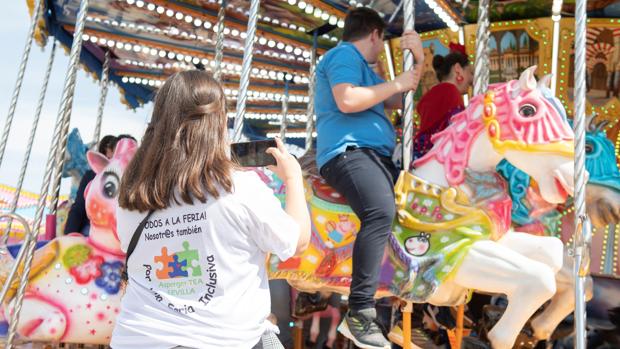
{"points": [[219, 44], [481, 65], [105, 71], [583, 234], [283, 123], [311, 88], [244, 82], [408, 105], [20, 77], [556, 16], [64, 114], [33, 131]]}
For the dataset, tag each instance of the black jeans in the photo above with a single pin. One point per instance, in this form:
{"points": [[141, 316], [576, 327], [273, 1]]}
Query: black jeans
{"points": [[366, 180]]}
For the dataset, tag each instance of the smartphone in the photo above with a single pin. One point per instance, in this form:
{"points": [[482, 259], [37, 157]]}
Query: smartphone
{"points": [[253, 154]]}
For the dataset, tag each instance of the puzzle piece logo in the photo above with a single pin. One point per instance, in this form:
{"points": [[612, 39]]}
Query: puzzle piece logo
{"points": [[190, 258], [178, 264]]}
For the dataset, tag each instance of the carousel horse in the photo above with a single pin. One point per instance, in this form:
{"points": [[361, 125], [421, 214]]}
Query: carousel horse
{"points": [[73, 294], [452, 231]]}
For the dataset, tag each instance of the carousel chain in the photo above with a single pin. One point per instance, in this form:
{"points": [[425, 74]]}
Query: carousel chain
{"points": [[33, 131], [481, 64], [20, 77], [583, 234], [246, 67], [63, 113], [219, 44], [408, 105], [284, 122], [105, 72], [311, 90]]}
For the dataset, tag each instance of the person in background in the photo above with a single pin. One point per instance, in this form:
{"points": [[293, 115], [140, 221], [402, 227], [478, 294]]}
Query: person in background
{"points": [[197, 276], [445, 99], [355, 144], [77, 220]]}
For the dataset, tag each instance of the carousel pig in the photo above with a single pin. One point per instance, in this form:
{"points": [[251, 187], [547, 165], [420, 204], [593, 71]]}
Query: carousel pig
{"points": [[73, 294]]}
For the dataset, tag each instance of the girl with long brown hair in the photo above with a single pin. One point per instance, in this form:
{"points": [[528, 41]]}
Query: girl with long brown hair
{"points": [[197, 277]]}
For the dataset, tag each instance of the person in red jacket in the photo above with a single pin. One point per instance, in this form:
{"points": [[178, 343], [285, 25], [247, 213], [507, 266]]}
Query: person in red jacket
{"points": [[445, 99]]}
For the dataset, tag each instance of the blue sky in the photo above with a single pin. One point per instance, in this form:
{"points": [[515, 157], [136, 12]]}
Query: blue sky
{"points": [[14, 22]]}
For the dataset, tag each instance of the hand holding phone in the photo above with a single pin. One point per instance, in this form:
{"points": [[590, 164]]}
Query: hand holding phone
{"points": [[287, 167], [254, 154]]}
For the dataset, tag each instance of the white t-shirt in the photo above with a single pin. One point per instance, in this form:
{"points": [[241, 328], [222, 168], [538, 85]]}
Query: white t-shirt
{"points": [[197, 277]]}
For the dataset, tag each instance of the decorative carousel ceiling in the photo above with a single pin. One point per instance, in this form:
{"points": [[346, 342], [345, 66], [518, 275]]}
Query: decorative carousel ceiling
{"points": [[149, 40]]}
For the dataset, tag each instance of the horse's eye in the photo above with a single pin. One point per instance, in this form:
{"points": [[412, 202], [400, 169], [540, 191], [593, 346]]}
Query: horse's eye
{"points": [[527, 110], [589, 148], [110, 186]]}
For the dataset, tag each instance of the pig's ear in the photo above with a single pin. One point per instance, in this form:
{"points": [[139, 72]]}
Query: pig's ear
{"points": [[97, 161]]}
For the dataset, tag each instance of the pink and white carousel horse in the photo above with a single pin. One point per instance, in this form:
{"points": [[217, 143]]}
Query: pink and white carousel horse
{"points": [[452, 233], [73, 294]]}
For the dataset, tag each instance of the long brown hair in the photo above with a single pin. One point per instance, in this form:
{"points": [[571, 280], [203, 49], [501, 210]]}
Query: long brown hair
{"points": [[184, 151]]}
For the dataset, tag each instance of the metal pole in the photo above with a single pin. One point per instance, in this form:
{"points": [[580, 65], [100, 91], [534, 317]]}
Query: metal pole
{"points": [[408, 106], [33, 131], [66, 105], [244, 82], [556, 16], [20, 78], [283, 123], [311, 88], [481, 65], [105, 69], [64, 113], [583, 234], [219, 44]]}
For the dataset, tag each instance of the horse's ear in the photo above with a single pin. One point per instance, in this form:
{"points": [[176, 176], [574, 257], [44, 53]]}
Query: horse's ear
{"points": [[545, 81], [527, 82], [97, 161]]}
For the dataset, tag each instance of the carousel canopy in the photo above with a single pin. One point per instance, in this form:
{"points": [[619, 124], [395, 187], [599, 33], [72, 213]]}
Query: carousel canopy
{"points": [[149, 40]]}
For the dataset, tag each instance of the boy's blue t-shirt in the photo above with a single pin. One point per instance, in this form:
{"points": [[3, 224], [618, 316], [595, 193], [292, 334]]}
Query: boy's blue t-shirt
{"points": [[336, 130]]}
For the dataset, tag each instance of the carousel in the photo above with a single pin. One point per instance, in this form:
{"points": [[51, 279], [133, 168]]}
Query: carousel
{"points": [[550, 208]]}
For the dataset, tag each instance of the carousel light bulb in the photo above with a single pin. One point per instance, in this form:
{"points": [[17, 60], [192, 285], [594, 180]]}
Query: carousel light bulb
{"points": [[131, 2], [333, 20], [292, 2], [195, 60], [111, 43], [288, 48], [180, 56], [301, 29], [292, 27], [234, 32], [302, 5], [151, 82], [179, 16], [297, 79], [126, 47], [226, 31], [188, 59], [325, 16], [171, 55], [197, 22], [139, 3], [125, 79], [138, 80], [271, 43], [267, 19], [280, 45], [262, 41], [137, 48], [145, 50], [132, 80], [189, 19], [340, 23], [207, 25], [151, 7], [160, 9], [263, 72], [85, 37], [318, 13], [309, 9], [169, 13]]}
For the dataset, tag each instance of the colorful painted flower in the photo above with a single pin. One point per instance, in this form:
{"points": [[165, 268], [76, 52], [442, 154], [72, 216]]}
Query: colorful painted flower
{"points": [[88, 270], [76, 255], [110, 280]]}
